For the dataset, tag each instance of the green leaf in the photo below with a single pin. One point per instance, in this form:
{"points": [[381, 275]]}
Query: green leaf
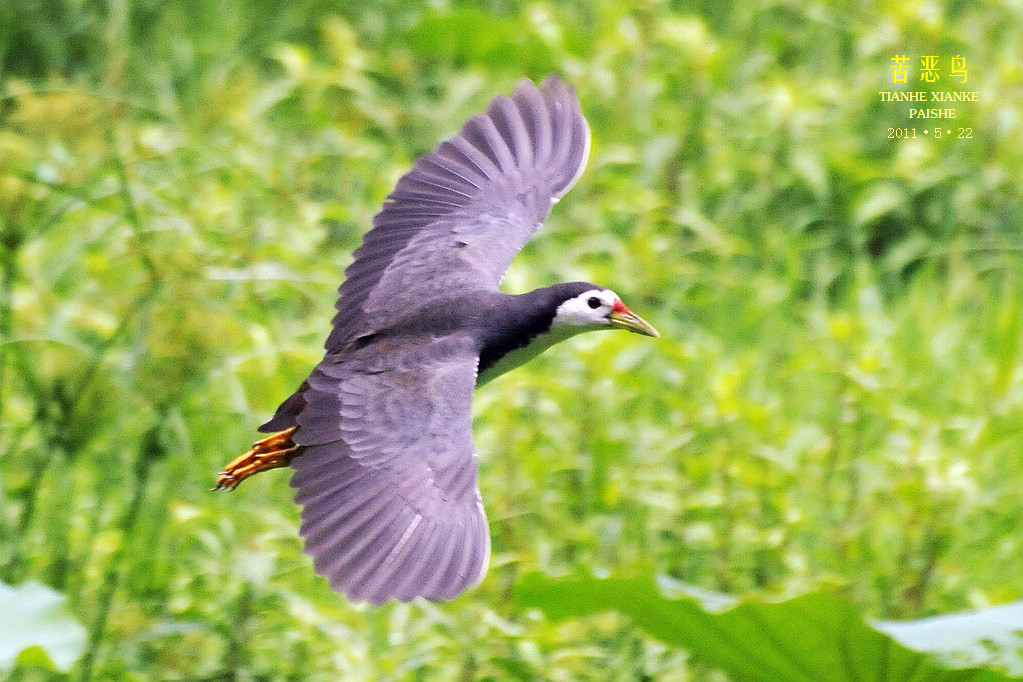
{"points": [[815, 637], [37, 629]]}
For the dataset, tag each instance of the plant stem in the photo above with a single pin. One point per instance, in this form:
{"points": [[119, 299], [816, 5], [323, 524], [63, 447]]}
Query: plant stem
{"points": [[10, 243], [149, 451]]}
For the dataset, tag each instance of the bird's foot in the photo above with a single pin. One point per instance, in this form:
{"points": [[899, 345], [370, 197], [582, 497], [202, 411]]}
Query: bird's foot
{"points": [[272, 452]]}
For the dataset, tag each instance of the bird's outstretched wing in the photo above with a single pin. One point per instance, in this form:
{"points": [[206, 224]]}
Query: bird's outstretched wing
{"points": [[388, 474], [458, 217]]}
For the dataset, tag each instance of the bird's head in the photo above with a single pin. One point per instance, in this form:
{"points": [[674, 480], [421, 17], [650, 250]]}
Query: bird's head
{"points": [[599, 308]]}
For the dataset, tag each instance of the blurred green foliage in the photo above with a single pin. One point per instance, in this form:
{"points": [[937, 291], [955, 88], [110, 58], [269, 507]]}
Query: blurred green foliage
{"points": [[837, 396]]}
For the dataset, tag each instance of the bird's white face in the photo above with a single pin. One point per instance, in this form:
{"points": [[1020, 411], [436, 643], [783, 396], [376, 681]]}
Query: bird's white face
{"points": [[589, 310], [598, 309]]}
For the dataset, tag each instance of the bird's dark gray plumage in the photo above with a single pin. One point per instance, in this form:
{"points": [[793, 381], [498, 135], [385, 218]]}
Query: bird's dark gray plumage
{"points": [[387, 475]]}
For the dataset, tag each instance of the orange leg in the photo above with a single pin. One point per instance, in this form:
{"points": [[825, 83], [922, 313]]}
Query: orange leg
{"points": [[272, 452]]}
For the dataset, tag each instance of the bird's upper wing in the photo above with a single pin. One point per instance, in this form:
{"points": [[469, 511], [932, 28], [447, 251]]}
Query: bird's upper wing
{"points": [[463, 211], [388, 476]]}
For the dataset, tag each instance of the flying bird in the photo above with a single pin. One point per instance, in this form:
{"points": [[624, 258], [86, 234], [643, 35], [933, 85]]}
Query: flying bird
{"points": [[379, 436]]}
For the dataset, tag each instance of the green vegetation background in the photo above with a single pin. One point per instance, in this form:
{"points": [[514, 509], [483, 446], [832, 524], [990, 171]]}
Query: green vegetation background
{"points": [[837, 397]]}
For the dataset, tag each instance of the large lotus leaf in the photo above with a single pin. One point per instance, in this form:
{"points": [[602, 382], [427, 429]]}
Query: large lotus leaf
{"points": [[816, 637]]}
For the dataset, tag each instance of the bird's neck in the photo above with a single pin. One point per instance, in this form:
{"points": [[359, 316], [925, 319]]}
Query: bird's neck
{"points": [[520, 329]]}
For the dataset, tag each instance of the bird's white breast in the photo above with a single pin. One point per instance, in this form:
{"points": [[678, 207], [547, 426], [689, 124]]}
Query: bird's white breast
{"points": [[524, 354]]}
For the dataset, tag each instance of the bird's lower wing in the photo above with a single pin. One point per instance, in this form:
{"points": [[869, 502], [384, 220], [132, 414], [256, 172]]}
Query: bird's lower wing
{"points": [[388, 475]]}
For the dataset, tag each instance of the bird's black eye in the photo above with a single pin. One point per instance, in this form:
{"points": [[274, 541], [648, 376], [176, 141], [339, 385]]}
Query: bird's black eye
{"points": [[593, 302]]}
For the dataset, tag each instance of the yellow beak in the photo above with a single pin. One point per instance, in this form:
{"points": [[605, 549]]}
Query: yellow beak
{"points": [[623, 318]]}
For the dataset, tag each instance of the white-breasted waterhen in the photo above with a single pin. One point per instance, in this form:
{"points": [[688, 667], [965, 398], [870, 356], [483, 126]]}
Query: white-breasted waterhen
{"points": [[380, 434]]}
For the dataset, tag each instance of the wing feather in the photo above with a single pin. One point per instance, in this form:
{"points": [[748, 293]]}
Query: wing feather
{"points": [[464, 153], [419, 535], [390, 504], [481, 133], [371, 572], [438, 556], [533, 107], [447, 554], [511, 128], [430, 185]]}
